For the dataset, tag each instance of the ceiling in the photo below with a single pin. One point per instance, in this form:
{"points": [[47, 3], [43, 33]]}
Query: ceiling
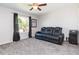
{"points": [[45, 9]]}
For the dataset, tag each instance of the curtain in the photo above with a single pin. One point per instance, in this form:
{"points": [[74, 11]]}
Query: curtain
{"points": [[30, 27], [16, 35]]}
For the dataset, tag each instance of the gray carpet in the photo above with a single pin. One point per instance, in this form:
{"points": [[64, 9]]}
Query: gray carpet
{"points": [[38, 47]]}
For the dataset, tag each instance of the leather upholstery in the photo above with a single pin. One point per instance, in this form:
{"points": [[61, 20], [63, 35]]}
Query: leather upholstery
{"points": [[51, 34]]}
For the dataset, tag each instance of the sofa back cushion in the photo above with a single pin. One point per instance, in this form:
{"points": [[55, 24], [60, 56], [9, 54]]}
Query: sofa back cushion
{"points": [[51, 30], [57, 31], [47, 30], [43, 29]]}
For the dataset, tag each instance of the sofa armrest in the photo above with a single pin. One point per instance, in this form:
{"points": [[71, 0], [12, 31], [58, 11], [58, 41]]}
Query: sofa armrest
{"points": [[61, 38]]}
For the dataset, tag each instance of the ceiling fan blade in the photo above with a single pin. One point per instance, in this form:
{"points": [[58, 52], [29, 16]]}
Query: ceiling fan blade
{"points": [[31, 8], [39, 9], [43, 4]]}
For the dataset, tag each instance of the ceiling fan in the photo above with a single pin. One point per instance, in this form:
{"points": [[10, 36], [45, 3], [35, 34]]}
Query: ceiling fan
{"points": [[36, 6]]}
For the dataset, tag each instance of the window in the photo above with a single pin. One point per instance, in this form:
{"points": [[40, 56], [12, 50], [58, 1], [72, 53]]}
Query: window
{"points": [[23, 24]]}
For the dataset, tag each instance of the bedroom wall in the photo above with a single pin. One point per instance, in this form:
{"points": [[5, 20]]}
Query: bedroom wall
{"points": [[65, 17], [6, 26], [78, 24]]}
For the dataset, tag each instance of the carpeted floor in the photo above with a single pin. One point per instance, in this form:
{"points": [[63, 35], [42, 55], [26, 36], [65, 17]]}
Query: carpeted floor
{"points": [[38, 47]]}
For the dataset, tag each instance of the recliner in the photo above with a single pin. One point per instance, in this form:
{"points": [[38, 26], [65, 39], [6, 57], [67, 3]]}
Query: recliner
{"points": [[51, 34]]}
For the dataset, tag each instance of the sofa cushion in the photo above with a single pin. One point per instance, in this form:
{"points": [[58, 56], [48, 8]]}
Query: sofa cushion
{"points": [[52, 37], [57, 31], [47, 30], [43, 29]]}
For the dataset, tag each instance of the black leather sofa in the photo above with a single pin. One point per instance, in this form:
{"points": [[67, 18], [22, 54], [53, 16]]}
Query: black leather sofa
{"points": [[51, 34]]}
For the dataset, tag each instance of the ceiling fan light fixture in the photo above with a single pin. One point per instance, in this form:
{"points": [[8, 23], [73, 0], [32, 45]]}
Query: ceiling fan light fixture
{"points": [[35, 7]]}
